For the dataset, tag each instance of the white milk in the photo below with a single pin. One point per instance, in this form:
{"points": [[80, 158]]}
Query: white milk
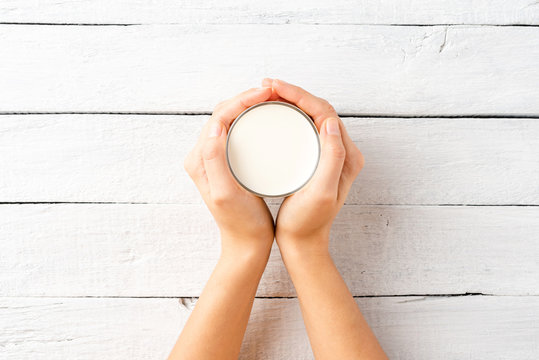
{"points": [[273, 149]]}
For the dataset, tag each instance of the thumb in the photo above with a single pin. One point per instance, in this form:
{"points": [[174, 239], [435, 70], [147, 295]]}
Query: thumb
{"points": [[327, 176], [214, 155]]}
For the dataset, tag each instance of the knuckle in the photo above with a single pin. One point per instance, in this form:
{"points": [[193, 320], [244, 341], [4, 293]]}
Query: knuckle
{"points": [[216, 117], [242, 99], [337, 150], [188, 163], [193, 167], [327, 107], [354, 162], [360, 160], [219, 106], [357, 160], [221, 198]]}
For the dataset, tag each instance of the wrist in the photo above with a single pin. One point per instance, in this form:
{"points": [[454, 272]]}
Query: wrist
{"points": [[303, 248], [248, 249], [252, 263]]}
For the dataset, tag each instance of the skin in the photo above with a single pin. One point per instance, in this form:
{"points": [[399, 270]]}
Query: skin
{"points": [[334, 323], [216, 326]]}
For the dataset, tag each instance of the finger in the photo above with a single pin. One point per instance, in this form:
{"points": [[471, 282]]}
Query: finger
{"points": [[194, 166], [326, 179], [274, 95], [351, 168], [227, 111], [230, 109], [319, 109], [267, 82], [220, 181], [353, 163], [349, 145]]}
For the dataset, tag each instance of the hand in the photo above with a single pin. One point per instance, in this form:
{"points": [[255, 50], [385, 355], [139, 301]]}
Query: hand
{"points": [[243, 219], [216, 326], [304, 219]]}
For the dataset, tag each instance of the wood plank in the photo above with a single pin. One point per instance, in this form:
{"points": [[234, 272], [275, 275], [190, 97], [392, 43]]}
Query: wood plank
{"points": [[274, 12], [129, 158], [476, 327], [170, 250], [183, 68]]}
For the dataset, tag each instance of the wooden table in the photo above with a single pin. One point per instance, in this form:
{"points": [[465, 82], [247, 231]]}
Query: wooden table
{"points": [[105, 243]]}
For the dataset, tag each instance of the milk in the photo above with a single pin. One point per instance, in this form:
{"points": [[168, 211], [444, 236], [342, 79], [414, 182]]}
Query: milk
{"points": [[273, 149]]}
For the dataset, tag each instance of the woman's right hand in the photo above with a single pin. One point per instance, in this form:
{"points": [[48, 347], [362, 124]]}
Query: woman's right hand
{"points": [[304, 219], [334, 323]]}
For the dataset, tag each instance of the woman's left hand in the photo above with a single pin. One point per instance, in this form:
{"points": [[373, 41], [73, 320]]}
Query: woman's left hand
{"points": [[243, 219]]}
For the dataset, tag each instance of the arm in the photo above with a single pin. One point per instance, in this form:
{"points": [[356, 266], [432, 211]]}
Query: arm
{"points": [[216, 326], [334, 323]]}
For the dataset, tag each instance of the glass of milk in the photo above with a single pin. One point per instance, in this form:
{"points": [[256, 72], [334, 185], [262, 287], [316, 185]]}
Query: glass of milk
{"points": [[273, 149]]}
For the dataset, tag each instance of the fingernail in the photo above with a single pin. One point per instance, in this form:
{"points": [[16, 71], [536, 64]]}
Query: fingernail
{"points": [[215, 130], [263, 88], [332, 126]]}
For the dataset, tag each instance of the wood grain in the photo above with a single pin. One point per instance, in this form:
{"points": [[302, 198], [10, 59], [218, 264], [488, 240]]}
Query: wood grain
{"points": [[100, 275], [130, 158], [498, 12], [476, 327], [406, 70], [170, 250]]}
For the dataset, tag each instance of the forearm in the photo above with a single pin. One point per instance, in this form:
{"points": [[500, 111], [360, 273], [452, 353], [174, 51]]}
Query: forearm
{"points": [[216, 326], [334, 323]]}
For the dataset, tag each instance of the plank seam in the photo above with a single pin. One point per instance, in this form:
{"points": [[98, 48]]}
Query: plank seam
{"points": [[66, 24], [466, 294], [165, 203], [342, 115], [269, 24]]}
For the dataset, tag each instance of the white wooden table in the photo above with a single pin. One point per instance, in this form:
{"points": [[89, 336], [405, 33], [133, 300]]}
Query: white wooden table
{"points": [[105, 244]]}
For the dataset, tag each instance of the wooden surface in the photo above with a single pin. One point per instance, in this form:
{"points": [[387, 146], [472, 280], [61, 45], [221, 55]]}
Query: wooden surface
{"points": [[408, 327], [495, 12], [140, 250], [361, 69], [136, 158], [106, 244]]}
